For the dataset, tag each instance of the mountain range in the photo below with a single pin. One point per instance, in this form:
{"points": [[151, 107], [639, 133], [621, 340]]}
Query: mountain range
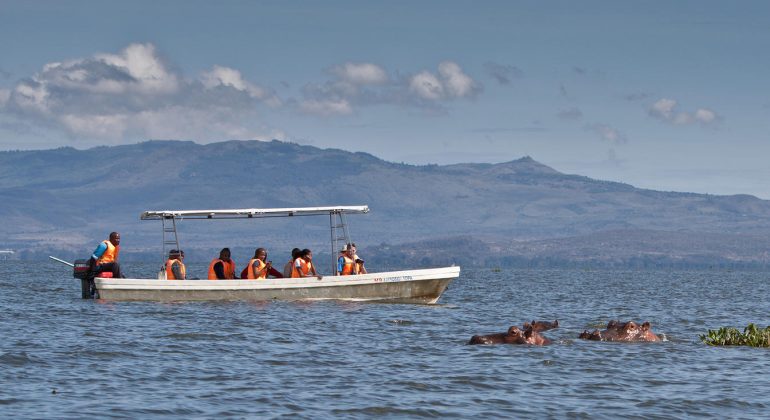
{"points": [[519, 213]]}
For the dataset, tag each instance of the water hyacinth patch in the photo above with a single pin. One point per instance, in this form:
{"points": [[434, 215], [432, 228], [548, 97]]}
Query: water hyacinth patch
{"points": [[752, 336]]}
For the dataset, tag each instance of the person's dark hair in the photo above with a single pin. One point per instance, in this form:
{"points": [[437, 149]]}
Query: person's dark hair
{"points": [[223, 251], [306, 252], [295, 253], [256, 252], [174, 253], [113, 234]]}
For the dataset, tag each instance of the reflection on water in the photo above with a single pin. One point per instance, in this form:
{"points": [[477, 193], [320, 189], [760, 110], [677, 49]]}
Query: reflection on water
{"points": [[61, 356]]}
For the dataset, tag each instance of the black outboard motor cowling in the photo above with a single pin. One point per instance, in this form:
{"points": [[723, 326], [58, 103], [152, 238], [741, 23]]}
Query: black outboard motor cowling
{"points": [[82, 270]]}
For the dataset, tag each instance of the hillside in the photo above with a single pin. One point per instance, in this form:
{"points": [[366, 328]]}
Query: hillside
{"points": [[65, 200]]}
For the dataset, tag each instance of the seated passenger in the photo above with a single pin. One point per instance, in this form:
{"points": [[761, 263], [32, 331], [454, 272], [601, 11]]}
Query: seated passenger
{"points": [[359, 262], [105, 256], [303, 265], [346, 265], [175, 269], [222, 268], [258, 268], [287, 269]]}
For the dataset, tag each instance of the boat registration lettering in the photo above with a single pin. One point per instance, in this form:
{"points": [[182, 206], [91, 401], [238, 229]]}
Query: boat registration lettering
{"points": [[392, 279]]}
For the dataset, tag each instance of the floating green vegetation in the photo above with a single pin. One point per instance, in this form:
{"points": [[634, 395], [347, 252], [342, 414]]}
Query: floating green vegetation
{"points": [[752, 336]]}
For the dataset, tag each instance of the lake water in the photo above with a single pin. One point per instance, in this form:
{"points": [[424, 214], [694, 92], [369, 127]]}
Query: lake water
{"points": [[63, 357]]}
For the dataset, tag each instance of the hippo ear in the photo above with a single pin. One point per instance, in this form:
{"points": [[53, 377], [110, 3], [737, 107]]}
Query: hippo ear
{"points": [[646, 325], [527, 325], [555, 323], [612, 323]]}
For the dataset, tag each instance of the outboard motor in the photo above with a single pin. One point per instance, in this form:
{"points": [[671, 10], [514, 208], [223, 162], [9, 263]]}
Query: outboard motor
{"points": [[82, 270]]}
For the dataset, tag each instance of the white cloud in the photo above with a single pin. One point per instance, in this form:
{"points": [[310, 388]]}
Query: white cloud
{"points": [[427, 86], [664, 108], [228, 77], [143, 64], [30, 95], [364, 84], [361, 73], [452, 82], [198, 124], [134, 95], [705, 116], [457, 83], [109, 127], [326, 107], [667, 110]]}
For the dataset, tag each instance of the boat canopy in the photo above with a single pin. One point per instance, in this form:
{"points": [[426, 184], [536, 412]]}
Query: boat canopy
{"points": [[252, 213]]}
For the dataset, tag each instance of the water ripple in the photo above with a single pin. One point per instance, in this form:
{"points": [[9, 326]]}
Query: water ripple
{"points": [[353, 360]]}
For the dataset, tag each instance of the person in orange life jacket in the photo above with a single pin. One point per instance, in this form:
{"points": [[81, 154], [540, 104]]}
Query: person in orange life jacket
{"points": [[222, 268], [289, 266], [175, 269], [359, 262], [105, 256], [271, 271], [346, 265], [303, 265], [257, 267]]}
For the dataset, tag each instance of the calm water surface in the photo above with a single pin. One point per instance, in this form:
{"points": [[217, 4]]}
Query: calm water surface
{"points": [[63, 357]]}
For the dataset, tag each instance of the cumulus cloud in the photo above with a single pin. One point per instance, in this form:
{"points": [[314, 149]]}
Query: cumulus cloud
{"points": [[608, 133], [363, 84], [361, 73], [135, 94], [503, 73], [450, 83], [427, 86], [226, 77], [666, 110], [457, 83]]}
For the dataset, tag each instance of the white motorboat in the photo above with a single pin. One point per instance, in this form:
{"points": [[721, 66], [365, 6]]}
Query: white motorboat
{"points": [[406, 286]]}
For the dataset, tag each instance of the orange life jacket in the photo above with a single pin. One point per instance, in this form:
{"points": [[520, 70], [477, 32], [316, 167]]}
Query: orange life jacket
{"points": [[170, 271], [348, 266], [304, 268], [260, 266], [227, 267], [110, 254]]}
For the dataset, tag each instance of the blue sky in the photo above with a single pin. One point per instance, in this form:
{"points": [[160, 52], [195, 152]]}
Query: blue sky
{"points": [[662, 95]]}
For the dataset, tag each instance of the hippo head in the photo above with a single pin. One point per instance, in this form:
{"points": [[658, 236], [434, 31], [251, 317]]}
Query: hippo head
{"points": [[541, 325], [626, 331], [595, 335], [634, 332], [646, 334]]}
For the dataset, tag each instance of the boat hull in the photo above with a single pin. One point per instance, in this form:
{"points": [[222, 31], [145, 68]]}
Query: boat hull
{"points": [[411, 286]]}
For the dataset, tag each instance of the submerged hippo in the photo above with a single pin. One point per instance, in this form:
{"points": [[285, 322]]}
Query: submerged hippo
{"points": [[515, 335], [622, 331], [542, 325]]}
